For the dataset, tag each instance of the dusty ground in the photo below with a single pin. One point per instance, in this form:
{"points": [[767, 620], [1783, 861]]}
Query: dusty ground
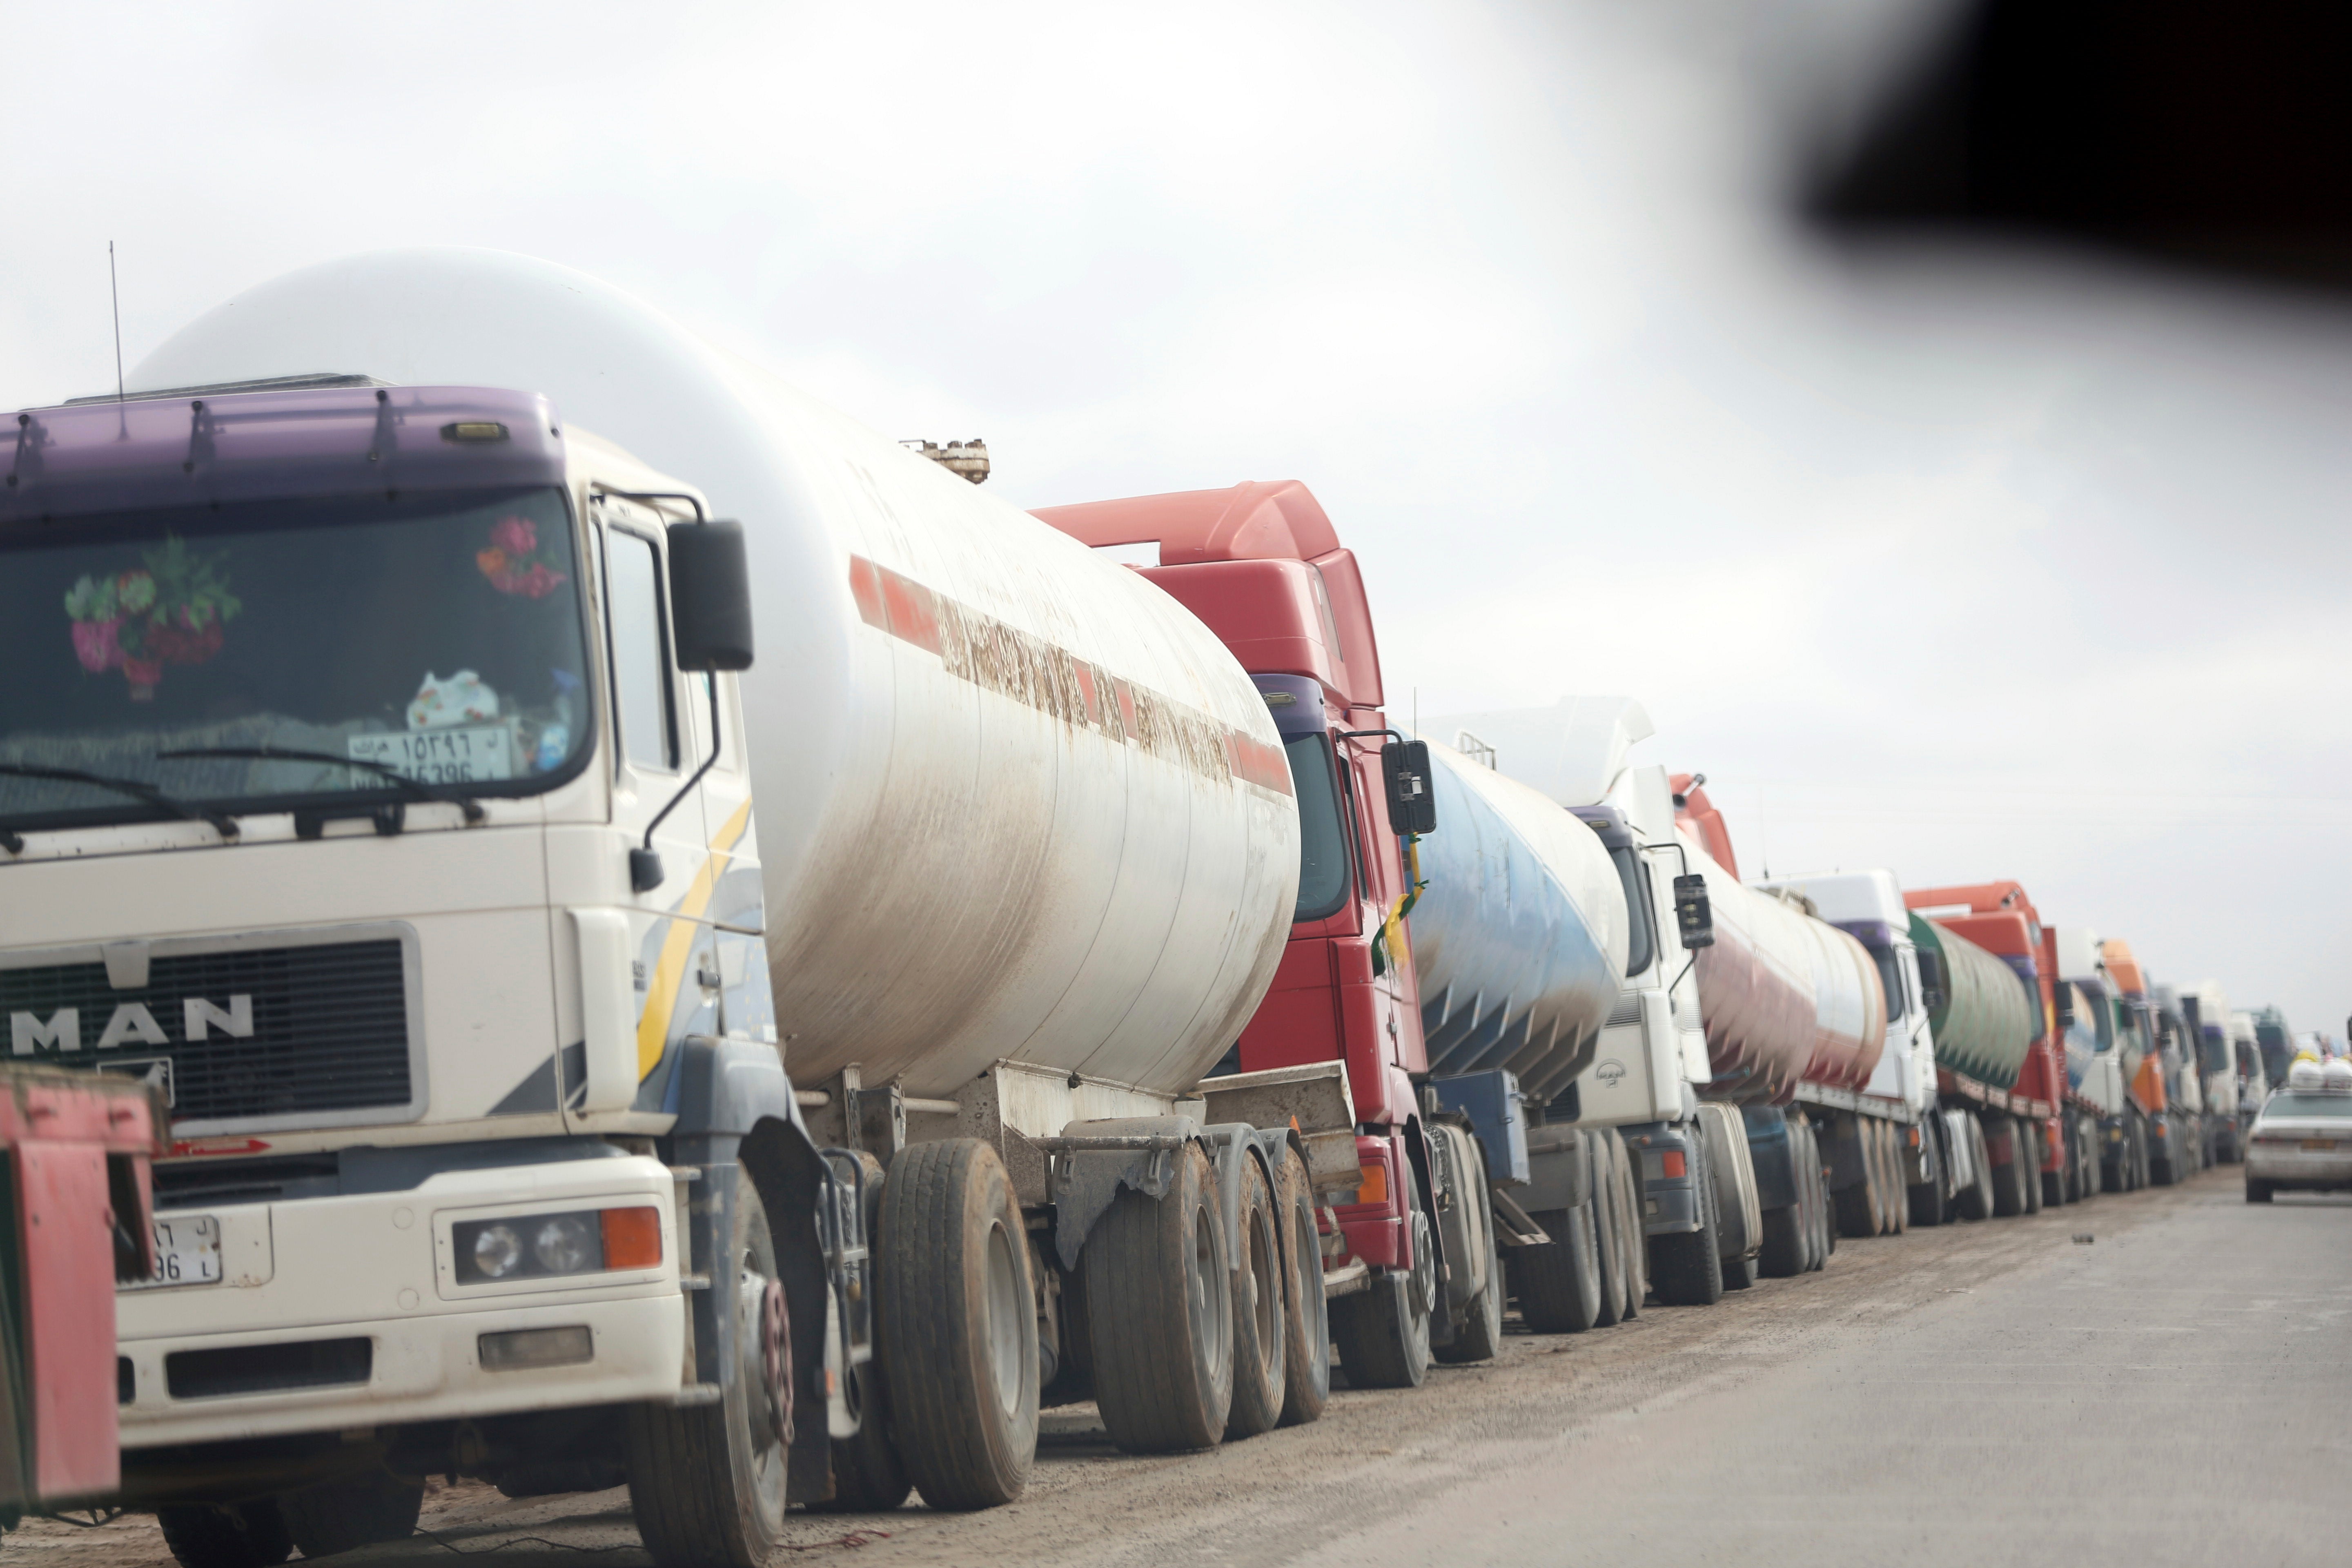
{"points": [[1569, 1448]]}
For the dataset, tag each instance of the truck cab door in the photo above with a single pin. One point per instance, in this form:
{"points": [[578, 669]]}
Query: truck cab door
{"points": [[659, 741]]}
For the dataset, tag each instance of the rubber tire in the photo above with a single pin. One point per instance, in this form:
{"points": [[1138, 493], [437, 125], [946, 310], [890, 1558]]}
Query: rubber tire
{"points": [[1898, 1202], [966, 1441], [1559, 1286], [1686, 1270], [1159, 1314], [1977, 1199], [2037, 1154], [1306, 1314], [343, 1516], [1813, 1204], [1479, 1336], [1636, 1237], [1383, 1334], [1259, 1296], [1608, 1236], [709, 1483], [1860, 1207], [1739, 1274], [1926, 1201], [2007, 1180], [244, 1535], [868, 1475]]}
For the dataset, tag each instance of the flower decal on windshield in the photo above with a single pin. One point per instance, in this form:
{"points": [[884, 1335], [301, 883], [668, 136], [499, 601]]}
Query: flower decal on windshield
{"points": [[511, 561], [170, 612]]}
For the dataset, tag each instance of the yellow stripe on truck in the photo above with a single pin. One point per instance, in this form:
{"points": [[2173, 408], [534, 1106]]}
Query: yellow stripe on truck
{"points": [[661, 990]]}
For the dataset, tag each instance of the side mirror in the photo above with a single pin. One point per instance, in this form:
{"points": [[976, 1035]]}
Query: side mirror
{"points": [[709, 596], [1405, 764], [1694, 917]]}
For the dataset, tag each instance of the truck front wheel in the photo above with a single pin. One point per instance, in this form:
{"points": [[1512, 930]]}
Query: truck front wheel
{"points": [[1558, 1285], [706, 1483], [1686, 1270], [868, 1474], [243, 1535], [1383, 1332], [343, 1516]]}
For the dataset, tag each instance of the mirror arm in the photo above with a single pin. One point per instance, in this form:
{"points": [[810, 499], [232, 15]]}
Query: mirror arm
{"points": [[645, 871]]}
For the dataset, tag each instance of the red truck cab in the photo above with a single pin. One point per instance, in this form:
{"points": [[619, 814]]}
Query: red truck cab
{"points": [[1262, 567]]}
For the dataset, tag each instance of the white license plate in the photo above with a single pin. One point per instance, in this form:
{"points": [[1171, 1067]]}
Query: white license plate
{"points": [[475, 753], [187, 1252]]}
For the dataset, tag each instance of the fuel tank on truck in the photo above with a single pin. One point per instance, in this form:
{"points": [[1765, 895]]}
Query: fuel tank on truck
{"points": [[1785, 996], [1519, 942], [1985, 1025], [1013, 800]]}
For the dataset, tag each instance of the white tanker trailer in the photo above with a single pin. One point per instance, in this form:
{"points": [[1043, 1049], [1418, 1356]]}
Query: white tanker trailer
{"points": [[1026, 859]]}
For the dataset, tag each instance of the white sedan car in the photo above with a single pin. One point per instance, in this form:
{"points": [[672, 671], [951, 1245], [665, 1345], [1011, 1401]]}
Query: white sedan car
{"points": [[2303, 1138]]}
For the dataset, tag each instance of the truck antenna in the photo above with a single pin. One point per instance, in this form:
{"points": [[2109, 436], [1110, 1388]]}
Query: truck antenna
{"points": [[114, 287]]}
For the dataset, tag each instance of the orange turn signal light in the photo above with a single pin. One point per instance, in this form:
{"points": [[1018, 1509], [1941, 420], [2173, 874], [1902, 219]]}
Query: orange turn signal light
{"points": [[632, 1238], [1374, 1187], [1673, 1163]]}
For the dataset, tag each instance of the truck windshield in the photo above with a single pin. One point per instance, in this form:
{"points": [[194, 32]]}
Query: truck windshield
{"points": [[434, 635], [1322, 836]]}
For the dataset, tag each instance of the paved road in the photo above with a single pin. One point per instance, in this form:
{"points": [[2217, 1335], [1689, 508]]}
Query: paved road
{"points": [[2177, 1389]]}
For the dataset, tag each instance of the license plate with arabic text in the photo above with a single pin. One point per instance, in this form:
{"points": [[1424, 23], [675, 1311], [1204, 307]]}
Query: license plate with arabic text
{"points": [[187, 1252]]}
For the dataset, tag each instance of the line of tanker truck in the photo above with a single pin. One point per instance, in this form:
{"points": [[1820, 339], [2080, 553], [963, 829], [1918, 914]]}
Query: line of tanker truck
{"points": [[807, 993]]}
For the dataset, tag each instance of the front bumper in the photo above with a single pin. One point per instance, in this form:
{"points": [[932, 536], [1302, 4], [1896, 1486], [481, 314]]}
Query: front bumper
{"points": [[378, 1268]]}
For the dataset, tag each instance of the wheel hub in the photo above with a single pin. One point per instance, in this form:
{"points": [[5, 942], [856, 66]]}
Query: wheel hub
{"points": [[773, 1328]]}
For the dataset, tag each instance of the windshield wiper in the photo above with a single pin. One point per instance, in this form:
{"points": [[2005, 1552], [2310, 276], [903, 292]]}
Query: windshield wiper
{"points": [[414, 789], [223, 824]]}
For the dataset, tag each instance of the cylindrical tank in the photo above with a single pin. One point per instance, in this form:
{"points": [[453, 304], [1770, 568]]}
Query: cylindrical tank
{"points": [[1000, 813], [1986, 1023], [1519, 941], [1786, 996]]}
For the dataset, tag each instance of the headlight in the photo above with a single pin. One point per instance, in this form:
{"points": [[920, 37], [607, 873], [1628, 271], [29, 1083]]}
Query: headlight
{"points": [[587, 1241]]}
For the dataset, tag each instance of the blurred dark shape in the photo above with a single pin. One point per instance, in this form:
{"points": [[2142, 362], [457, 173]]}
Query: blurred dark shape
{"points": [[2212, 135]]}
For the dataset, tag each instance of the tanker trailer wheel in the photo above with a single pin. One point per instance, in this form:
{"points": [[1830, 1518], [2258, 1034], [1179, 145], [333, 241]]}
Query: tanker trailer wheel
{"points": [[868, 1474], [343, 1516], [1977, 1199], [1890, 1179], [708, 1482], [1860, 1205], [1686, 1270], [1821, 1235], [1159, 1314], [1260, 1338], [1383, 1333], [1608, 1239], [2009, 1174], [1636, 1238], [1305, 1315], [240, 1535], [1479, 1335], [1558, 1285], [957, 1324]]}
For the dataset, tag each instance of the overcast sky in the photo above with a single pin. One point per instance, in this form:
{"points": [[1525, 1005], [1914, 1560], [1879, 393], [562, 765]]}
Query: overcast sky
{"points": [[1973, 565]]}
